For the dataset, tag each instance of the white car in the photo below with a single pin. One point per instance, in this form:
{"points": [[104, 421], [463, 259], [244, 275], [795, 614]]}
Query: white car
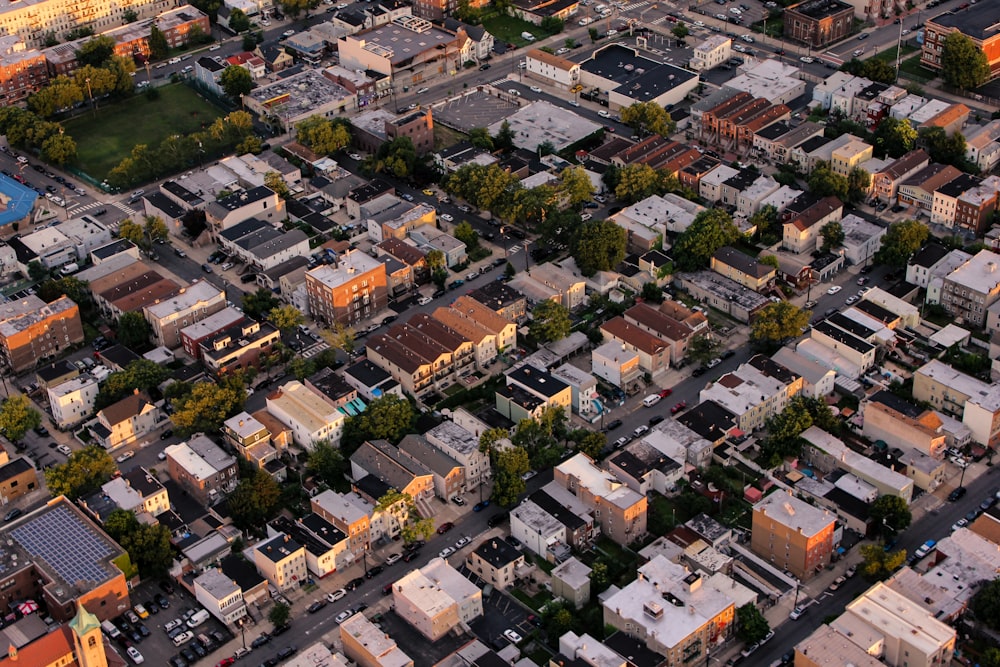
{"points": [[462, 542], [63, 449], [355, 156], [699, 24], [961, 523], [133, 653], [739, 48], [748, 39], [561, 51], [535, 89], [424, 300], [851, 299], [183, 638], [393, 559], [806, 59], [342, 5], [338, 594], [288, 33], [447, 551], [125, 457], [343, 616], [423, 90], [612, 32], [834, 289], [215, 47], [512, 636], [265, 23], [447, 217], [603, 114]]}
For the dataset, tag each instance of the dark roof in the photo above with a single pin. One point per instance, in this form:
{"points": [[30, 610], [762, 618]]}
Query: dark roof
{"points": [[14, 467], [851, 326], [144, 483], [639, 467], [289, 265], [929, 255], [820, 9], [497, 552], [645, 80], [330, 384], [241, 571], [209, 64], [849, 504], [372, 486], [709, 420], [112, 249], [520, 396], [539, 381], [772, 368], [743, 180], [774, 130], [242, 229], [743, 262], [980, 22], [245, 197], [165, 205], [632, 650], [841, 336], [496, 295], [959, 185], [118, 355], [55, 370], [900, 405], [367, 373], [370, 190], [557, 510], [278, 548], [182, 193], [881, 314]]}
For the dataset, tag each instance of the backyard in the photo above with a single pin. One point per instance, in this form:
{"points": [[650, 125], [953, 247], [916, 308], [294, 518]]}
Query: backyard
{"points": [[105, 138]]}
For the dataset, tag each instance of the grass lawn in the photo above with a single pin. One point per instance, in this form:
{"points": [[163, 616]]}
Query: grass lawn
{"points": [[912, 70], [103, 140], [509, 28], [445, 136], [889, 55]]}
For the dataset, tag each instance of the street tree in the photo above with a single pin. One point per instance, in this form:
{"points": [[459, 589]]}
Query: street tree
{"points": [[878, 564], [680, 31], [751, 626], [61, 93], [946, 149], [490, 438], [599, 245], [239, 22], [890, 514], [388, 417], [236, 81], [258, 304], [703, 348], [963, 64], [858, 184], [17, 417], [144, 233], [550, 321], [893, 137], [508, 468], [285, 317], [340, 337], [575, 185], [637, 181], [134, 331], [465, 233], [279, 615], [84, 472], [254, 501], [710, 230], [158, 45], [397, 157], [833, 235], [777, 322], [59, 149], [208, 405], [589, 442], [648, 118], [823, 181], [901, 241]]}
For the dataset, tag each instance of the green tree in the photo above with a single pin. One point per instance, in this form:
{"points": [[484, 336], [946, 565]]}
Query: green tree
{"points": [[823, 181], [59, 149], [295, 7], [158, 45], [648, 118], [575, 185], [397, 157], [465, 233], [942, 148], [751, 626], [61, 93], [254, 500], [133, 330], [84, 472], [17, 417], [143, 235], [279, 615], [890, 514], [508, 467], [858, 184], [490, 438], [879, 564], [833, 235], [703, 348], [276, 182], [901, 241], [236, 81], [550, 321], [785, 427], [95, 52], [328, 463], [208, 405], [680, 31], [238, 21], [599, 245], [76, 289], [340, 337], [589, 442], [710, 230], [504, 139], [770, 260], [412, 526], [637, 181], [552, 25], [141, 374], [36, 271], [777, 322], [963, 64], [490, 188], [388, 417], [893, 137], [285, 317], [986, 604], [652, 293], [480, 137], [258, 304], [324, 136], [148, 545], [600, 578]]}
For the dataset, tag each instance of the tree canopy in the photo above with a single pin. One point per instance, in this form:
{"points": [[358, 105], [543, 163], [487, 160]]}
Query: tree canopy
{"points": [[322, 135], [328, 463], [254, 500], [893, 137], [879, 564], [648, 118], [236, 81], [148, 545], [777, 322], [599, 245], [986, 604], [550, 321], [285, 317], [901, 241], [508, 467], [891, 514], [133, 330], [141, 374], [832, 234], [388, 417], [710, 230], [84, 472], [751, 626], [963, 64], [823, 181], [17, 417], [208, 405], [258, 304]]}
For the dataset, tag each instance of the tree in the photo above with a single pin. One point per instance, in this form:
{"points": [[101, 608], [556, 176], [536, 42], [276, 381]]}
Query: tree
{"points": [[488, 188], [504, 139], [893, 137], [238, 22], [158, 45], [890, 514], [466, 234], [550, 321], [901, 241], [144, 234], [575, 185], [777, 322], [61, 93], [285, 317], [412, 526], [710, 230], [652, 293], [322, 135], [76, 289], [879, 564], [208, 405], [134, 330], [258, 304], [552, 25], [141, 374], [833, 235], [751, 626], [942, 148], [17, 417], [148, 546], [858, 184], [59, 149], [703, 348], [648, 118], [599, 578], [254, 500], [637, 181], [770, 260], [480, 138], [599, 245], [328, 463], [508, 467], [590, 443], [295, 7], [397, 157], [986, 604], [681, 31], [236, 81], [95, 52], [279, 615], [84, 472], [276, 182], [823, 181], [963, 64], [785, 427], [388, 417]]}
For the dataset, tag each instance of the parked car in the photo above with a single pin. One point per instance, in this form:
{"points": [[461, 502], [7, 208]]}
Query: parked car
{"points": [[447, 551], [677, 408], [392, 559], [480, 506], [445, 527], [338, 594], [837, 583], [458, 500], [798, 612], [316, 606], [354, 583], [512, 636], [925, 548], [613, 424], [957, 494], [374, 571]]}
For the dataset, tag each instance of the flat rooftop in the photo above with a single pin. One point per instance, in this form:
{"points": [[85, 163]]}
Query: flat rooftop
{"points": [[797, 515], [981, 22], [638, 77], [542, 121], [403, 39]]}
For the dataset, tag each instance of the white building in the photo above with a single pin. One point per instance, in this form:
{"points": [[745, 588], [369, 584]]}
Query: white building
{"points": [[615, 363], [73, 401], [862, 239], [220, 596], [551, 69], [714, 51], [310, 417], [436, 599], [770, 79], [461, 445]]}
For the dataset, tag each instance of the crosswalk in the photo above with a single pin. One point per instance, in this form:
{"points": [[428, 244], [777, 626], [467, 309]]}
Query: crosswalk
{"points": [[127, 210], [658, 20], [635, 5], [513, 249]]}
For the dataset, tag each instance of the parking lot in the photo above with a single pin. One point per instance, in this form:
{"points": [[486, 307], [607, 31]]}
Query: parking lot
{"points": [[476, 109], [500, 613]]}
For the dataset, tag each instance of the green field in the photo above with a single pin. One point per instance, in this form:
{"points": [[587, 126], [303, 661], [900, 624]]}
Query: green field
{"points": [[509, 28], [103, 139]]}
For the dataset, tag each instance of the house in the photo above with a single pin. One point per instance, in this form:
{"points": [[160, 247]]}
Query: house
{"points": [[622, 510], [918, 190], [17, 478], [371, 381], [571, 582], [743, 269], [497, 563], [282, 561], [202, 468], [792, 534], [827, 453], [862, 239], [448, 474], [220, 596], [724, 294], [715, 50], [754, 392], [550, 521], [977, 403], [946, 197], [969, 291], [805, 217], [378, 466], [489, 332], [436, 598], [653, 353], [461, 445], [303, 410], [982, 145], [73, 401], [350, 514], [370, 646], [260, 202], [672, 323], [502, 300], [817, 380], [238, 346], [551, 69], [125, 421], [644, 468], [193, 335], [975, 207], [886, 181], [614, 362], [136, 491], [826, 646]]}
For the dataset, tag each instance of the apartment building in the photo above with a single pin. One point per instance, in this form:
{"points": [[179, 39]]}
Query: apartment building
{"points": [[370, 646], [282, 561], [885, 182], [805, 217], [202, 468], [259, 202], [378, 467], [900, 423], [220, 596], [22, 71], [715, 50], [825, 646], [73, 401], [828, 453], [975, 208], [449, 475], [552, 520], [354, 290], [31, 23], [32, 331], [980, 25], [754, 392], [552, 69], [792, 534], [193, 335], [436, 598], [975, 402], [303, 410], [620, 511], [238, 347], [422, 354], [818, 22], [462, 446], [489, 332], [190, 305], [918, 190], [654, 353], [350, 514], [969, 291]]}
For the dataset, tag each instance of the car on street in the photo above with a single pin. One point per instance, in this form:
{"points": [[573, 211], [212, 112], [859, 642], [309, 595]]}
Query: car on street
{"points": [[354, 583], [640, 430], [343, 616], [447, 217], [428, 192], [851, 571], [316, 606], [852, 299], [166, 434], [834, 289], [677, 408], [713, 363], [535, 89], [837, 583], [622, 441], [655, 419], [447, 551], [806, 59], [613, 424], [665, 392], [338, 594], [480, 506], [410, 555], [445, 527], [462, 542], [63, 449], [421, 91], [924, 548], [957, 494], [424, 300], [392, 559], [512, 636], [355, 157], [374, 571], [125, 457], [798, 612], [288, 33], [961, 523]]}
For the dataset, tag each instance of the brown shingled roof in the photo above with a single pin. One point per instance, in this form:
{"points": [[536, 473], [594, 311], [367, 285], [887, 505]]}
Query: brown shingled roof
{"points": [[633, 335]]}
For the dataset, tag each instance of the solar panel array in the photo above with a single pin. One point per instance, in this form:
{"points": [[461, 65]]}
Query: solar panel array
{"points": [[70, 547]]}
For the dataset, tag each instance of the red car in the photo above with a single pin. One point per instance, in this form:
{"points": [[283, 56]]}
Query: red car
{"points": [[666, 392], [225, 662], [445, 527], [677, 408]]}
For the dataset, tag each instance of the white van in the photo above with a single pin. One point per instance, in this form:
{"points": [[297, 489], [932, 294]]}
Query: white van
{"points": [[110, 630], [174, 61], [651, 400], [199, 618]]}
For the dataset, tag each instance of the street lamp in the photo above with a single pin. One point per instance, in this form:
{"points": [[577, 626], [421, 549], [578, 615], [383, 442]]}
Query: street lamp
{"points": [[90, 93]]}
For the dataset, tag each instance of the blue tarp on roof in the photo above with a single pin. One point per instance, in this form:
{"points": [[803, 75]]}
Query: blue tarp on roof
{"points": [[20, 199]]}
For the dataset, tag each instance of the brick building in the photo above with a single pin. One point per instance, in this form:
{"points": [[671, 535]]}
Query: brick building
{"points": [[818, 22]]}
